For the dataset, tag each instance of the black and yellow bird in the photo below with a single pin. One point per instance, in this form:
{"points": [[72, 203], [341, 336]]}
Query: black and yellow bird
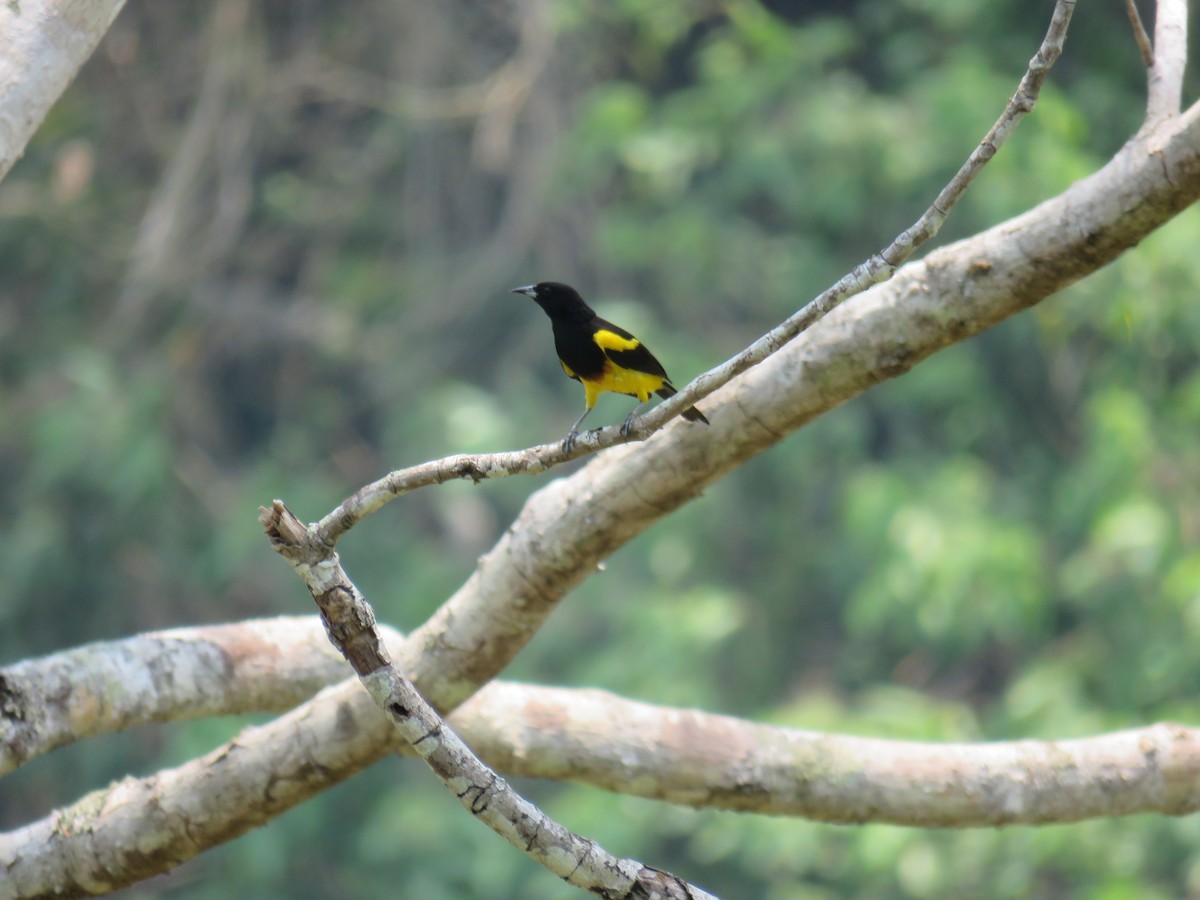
{"points": [[600, 355]]}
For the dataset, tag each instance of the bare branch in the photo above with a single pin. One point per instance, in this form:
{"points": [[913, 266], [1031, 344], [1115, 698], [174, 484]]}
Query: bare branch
{"points": [[350, 623], [710, 761], [475, 466], [45, 43], [140, 827], [264, 665], [1139, 33], [1164, 92]]}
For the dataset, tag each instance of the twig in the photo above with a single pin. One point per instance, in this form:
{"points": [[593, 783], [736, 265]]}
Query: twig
{"points": [[350, 624], [878, 268], [1139, 33], [1164, 88]]}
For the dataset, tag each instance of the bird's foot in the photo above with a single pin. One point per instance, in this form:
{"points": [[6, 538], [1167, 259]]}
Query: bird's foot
{"points": [[568, 443], [627, 425]]}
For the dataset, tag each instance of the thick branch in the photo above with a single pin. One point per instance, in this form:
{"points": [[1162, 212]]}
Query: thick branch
{"points": [[42, 45], [264, 665], [709, 761], [140, 827], [1164, 93]]}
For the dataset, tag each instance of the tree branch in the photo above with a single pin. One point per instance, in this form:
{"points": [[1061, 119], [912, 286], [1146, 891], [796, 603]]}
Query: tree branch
{"points": [[718, 762], [263, 665], [1139, 33], [45, 43], [350, 623], [140, 827], [1164, 91]]}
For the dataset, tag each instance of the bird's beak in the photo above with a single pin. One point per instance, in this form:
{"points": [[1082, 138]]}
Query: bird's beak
{"points": [[529, 290]]}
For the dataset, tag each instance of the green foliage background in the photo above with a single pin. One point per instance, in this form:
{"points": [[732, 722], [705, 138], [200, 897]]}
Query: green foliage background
{"points": [[1004, 543]]}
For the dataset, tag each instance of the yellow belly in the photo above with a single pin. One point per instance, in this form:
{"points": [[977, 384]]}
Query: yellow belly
{"points": [[621, 381]]}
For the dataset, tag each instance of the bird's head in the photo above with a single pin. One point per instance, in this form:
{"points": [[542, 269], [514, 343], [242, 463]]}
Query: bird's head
{"points": [[560, 301]]}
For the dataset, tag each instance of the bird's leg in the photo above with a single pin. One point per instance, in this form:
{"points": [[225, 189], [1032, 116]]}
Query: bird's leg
{"points": [[569, 441], [627, 427]]}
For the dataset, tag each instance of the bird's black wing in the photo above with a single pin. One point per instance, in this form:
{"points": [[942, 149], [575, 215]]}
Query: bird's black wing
{"points": [[624, 349]]}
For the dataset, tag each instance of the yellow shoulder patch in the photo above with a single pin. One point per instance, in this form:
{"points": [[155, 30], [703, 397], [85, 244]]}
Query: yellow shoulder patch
{"points": [[610, 340]]}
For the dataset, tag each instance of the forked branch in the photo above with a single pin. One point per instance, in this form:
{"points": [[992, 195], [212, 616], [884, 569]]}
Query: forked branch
{"points": [[350, 624]]}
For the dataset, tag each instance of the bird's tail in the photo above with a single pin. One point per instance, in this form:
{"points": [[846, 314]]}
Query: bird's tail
{"points": [[691, 413]]}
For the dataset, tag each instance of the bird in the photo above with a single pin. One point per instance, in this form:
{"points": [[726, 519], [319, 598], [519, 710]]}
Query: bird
{"points": [[600, 355]]}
